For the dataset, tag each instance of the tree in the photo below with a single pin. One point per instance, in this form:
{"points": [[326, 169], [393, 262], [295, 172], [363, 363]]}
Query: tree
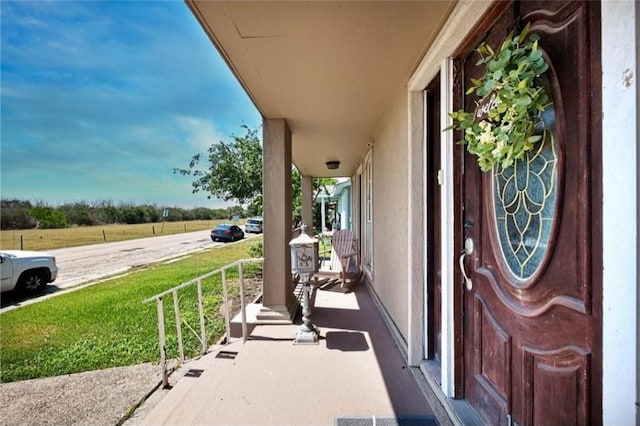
{"points": [[14, 214], [22, 214], [234, 172], [48, 217], [79, 214]]}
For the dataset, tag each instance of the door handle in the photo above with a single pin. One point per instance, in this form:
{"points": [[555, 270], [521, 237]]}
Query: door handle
{"points": [[468, 249]]}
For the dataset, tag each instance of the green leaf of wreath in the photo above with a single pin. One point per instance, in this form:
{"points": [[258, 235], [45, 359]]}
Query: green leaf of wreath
{"points": [[512, 99]]}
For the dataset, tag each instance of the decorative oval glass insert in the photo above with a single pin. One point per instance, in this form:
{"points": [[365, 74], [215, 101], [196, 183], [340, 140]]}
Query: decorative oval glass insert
{"points": [[524, 199]]}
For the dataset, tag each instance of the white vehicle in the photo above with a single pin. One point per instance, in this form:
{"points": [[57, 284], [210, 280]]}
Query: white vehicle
{"points": [[26, 271], [253, 224]]}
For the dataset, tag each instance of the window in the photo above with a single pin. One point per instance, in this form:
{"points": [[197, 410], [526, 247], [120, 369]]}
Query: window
{"points": [[525, 205], [367, 198]]}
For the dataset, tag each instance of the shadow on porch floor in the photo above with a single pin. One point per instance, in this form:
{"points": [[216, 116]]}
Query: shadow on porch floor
{"points": [[356, 371]]}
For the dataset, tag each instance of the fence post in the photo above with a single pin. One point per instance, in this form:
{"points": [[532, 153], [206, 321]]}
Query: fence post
{"points": [[176, 310], [163, 343], [203, 333], [21, 243], [225, 300], [243, 306]]}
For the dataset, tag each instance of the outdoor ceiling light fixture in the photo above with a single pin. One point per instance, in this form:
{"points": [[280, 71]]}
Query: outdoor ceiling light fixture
{"points": [[332, 165]]}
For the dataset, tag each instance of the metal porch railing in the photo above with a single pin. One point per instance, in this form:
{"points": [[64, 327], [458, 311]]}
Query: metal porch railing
{"points": [[158, 298]]}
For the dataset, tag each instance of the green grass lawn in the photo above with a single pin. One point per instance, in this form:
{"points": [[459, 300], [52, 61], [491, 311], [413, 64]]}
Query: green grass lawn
{"points": [[106, 325]]}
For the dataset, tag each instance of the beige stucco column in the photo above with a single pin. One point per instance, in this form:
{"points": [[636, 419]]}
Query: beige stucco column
{"points": [[307, 203], [278, 302]]}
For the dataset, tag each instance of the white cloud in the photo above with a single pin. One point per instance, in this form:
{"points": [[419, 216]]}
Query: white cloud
{"points": [[200, 133]]}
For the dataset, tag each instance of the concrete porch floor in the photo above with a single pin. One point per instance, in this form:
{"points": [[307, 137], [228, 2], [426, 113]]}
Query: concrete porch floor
{"points": [[356, 370]]}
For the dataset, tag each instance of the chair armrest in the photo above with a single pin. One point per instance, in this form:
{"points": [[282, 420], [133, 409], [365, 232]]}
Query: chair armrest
{"points": [[344, 256]]}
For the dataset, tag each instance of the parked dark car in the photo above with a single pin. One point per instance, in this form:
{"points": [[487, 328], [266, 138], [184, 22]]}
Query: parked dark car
{"points": [[226, 232]]}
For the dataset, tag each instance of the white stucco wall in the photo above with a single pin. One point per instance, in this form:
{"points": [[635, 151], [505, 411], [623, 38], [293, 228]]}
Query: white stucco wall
{"points": [[620, 95], [390, 215]]}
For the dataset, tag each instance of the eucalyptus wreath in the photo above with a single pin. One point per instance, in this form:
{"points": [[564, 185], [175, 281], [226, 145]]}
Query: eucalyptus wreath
{"points": [[502, 129]]}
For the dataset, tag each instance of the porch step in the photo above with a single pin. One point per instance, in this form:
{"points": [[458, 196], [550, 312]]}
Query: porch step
{"points": [[386, 421], [236, 322]]}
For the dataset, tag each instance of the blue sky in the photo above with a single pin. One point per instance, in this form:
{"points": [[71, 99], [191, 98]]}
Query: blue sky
{"points": [[100, 100]]}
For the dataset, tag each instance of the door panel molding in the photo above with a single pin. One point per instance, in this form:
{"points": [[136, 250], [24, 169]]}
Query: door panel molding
{"points": [[530, 310], [493, 352], [565, 371]]}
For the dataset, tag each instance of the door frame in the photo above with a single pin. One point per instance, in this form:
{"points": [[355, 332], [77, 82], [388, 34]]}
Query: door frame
{"points": [[431, 178], [451, 370], [418, 311]]}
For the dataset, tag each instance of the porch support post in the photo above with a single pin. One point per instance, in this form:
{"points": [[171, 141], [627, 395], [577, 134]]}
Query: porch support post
{"points": [[278, 302], [323, 223], [307, 202]]}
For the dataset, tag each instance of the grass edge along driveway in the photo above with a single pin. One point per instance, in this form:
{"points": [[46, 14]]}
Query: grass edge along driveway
{"points": [[106, 325]]}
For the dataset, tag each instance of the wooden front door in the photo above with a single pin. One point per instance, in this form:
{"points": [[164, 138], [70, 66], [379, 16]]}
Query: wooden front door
{"points": [[532, 312]]}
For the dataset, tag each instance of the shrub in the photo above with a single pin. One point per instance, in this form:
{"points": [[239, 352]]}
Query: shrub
{"points": [[256, 250]]}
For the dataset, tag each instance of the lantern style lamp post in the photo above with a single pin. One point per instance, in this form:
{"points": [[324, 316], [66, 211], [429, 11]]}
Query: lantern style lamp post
{"points": [[305, 263]]}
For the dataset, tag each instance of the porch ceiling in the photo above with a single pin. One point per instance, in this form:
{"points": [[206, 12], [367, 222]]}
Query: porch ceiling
{"points": [[331, 69]]}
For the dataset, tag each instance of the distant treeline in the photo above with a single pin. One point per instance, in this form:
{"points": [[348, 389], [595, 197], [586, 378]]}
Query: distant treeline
{"points": [[19, 214]]}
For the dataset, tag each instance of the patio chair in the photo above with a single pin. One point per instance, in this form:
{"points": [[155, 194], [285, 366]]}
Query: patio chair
{"points": [[345, 257]]}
